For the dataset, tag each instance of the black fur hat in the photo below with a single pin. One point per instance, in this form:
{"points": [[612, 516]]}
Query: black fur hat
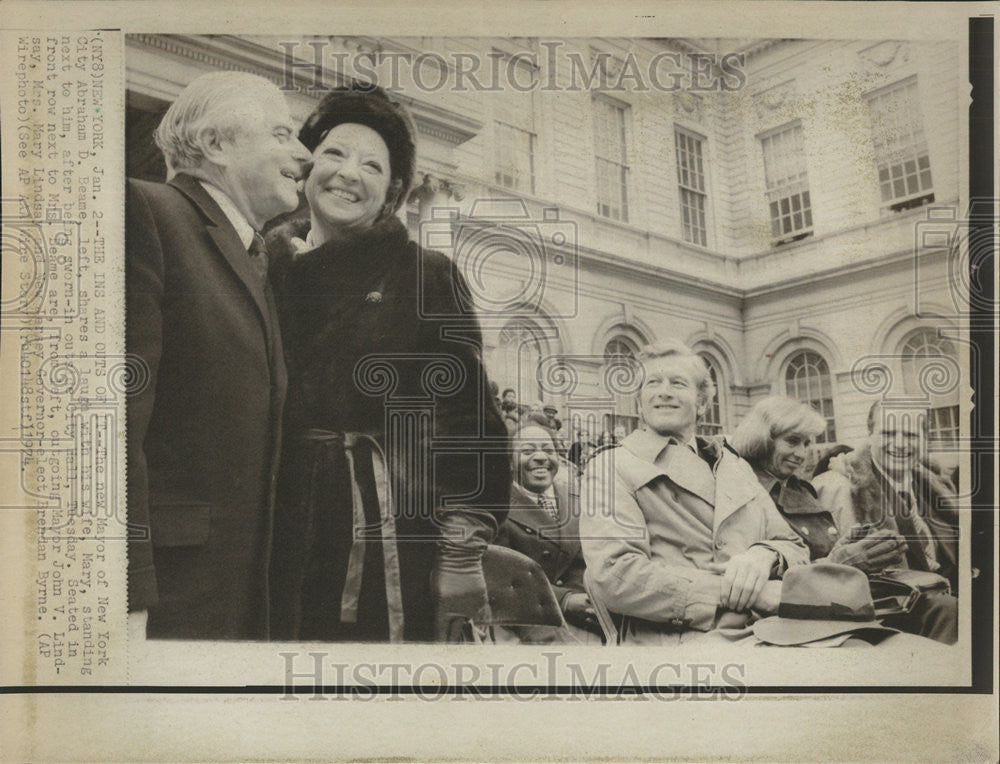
{"points": [[369, 105]]}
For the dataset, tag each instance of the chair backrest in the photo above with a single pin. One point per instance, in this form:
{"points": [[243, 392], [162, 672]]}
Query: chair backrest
{"points": [[611, 623], [519, 592]]}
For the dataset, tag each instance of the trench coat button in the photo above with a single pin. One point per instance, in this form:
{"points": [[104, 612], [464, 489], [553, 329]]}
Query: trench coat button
{"points": [[546, 553], [559, 582], [805, 530], [832, 531], [720, 544]]}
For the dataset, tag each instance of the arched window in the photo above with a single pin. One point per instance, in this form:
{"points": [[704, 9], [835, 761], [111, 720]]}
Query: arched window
{"points": [[521, 347], [620, 354], [712, 422], [921, 349], [807, 379]]}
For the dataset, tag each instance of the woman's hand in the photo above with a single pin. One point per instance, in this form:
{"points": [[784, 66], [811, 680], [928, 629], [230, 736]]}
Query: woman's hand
{"points": [[458, 586], [875, 552], [459, 593]]}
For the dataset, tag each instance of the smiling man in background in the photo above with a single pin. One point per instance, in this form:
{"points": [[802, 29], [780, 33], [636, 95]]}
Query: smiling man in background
{"points": [[890, 485], [544, 524], [204, 428]]}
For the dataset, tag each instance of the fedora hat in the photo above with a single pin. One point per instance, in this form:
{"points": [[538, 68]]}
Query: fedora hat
{"points": [[820, 601]]}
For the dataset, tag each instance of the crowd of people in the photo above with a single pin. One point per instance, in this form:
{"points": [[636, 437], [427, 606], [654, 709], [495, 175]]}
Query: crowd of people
{"points": [[306, 359], [576, 446]]}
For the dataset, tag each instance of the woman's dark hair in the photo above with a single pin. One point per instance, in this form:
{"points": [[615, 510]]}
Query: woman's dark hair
{"points": [[369, 105], [823, 465], [540, 419]]}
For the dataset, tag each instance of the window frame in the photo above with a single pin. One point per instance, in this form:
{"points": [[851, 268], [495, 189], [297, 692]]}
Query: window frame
{"points": [[626, 407], [916, 149], [599, 101], [829, 435], [529, 334], [705, 426], [788, 187], [504, 123], [688, 190], [938, 411]]}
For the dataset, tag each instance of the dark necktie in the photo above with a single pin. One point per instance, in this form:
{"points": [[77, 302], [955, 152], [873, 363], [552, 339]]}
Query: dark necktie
{"points": [[549, 506], [915, 556], [258, 257]]}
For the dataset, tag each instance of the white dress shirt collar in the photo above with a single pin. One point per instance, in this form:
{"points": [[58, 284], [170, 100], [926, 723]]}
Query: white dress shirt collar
{"points": [[243, 228]]}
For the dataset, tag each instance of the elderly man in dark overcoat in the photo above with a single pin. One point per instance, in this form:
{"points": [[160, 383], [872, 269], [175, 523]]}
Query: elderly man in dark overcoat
{"points": [[201, 329]]}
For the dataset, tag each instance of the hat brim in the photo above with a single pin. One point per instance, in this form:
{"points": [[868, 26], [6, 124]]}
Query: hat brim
{"points": [[776, 630]]}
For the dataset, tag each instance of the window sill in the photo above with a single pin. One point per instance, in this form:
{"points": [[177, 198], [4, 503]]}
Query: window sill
{"points": [[791, 239], [909, 204]]}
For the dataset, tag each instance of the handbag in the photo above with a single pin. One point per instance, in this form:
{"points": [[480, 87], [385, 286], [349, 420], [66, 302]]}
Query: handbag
{"points": [[898, 590]]}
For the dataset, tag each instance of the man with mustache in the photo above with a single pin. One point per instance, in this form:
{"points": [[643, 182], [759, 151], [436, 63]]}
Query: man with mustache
{"points": [[204, 422]]}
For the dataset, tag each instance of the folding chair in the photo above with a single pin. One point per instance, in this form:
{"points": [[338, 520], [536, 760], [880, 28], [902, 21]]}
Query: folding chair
{"points": [[519, 592]]}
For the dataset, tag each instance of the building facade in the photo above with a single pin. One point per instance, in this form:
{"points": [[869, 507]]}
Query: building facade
{"points": [[762, 200]]}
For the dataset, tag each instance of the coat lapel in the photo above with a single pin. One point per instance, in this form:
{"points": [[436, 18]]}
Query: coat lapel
{"points": [[689, 471], [524, 509], [227, 241], [732, 489], [682, 466]]}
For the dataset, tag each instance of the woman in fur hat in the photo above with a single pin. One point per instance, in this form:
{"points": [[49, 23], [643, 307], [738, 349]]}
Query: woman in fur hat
{"points": [[379, 535]]}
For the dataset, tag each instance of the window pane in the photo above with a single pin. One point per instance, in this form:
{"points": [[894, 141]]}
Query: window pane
{"points": [[609, 136], [899, 143], [807, 378], [691, 182], [787, 181]]}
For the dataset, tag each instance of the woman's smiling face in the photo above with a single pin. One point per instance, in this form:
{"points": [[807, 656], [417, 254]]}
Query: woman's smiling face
{"points": [[349, 180], [790, 452]]}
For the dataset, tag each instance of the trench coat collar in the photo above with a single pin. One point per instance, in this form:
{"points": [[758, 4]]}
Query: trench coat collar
{"points": [[796, 497], [227, 241], [651, 449]]}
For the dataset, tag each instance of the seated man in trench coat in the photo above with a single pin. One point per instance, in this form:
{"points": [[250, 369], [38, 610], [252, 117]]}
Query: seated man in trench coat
{"points": [[677, 533]]}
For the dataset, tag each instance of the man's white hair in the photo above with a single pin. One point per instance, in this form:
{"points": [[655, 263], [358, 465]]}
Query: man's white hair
{"points": [[213, 100]]}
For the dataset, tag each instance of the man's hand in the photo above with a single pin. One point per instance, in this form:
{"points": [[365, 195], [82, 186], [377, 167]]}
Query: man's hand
{"points": [[875, 552], [579, 611], [579, 604], [744, 576], [769, 598]]}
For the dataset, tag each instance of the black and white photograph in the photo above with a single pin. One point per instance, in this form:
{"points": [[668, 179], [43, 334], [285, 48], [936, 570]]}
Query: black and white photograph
{"points": [[574, 316], [385, 374]]}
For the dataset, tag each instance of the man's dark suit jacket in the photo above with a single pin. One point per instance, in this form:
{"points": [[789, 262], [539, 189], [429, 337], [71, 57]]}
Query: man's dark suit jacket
{"points": [[204, 430], [555, 546]]}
